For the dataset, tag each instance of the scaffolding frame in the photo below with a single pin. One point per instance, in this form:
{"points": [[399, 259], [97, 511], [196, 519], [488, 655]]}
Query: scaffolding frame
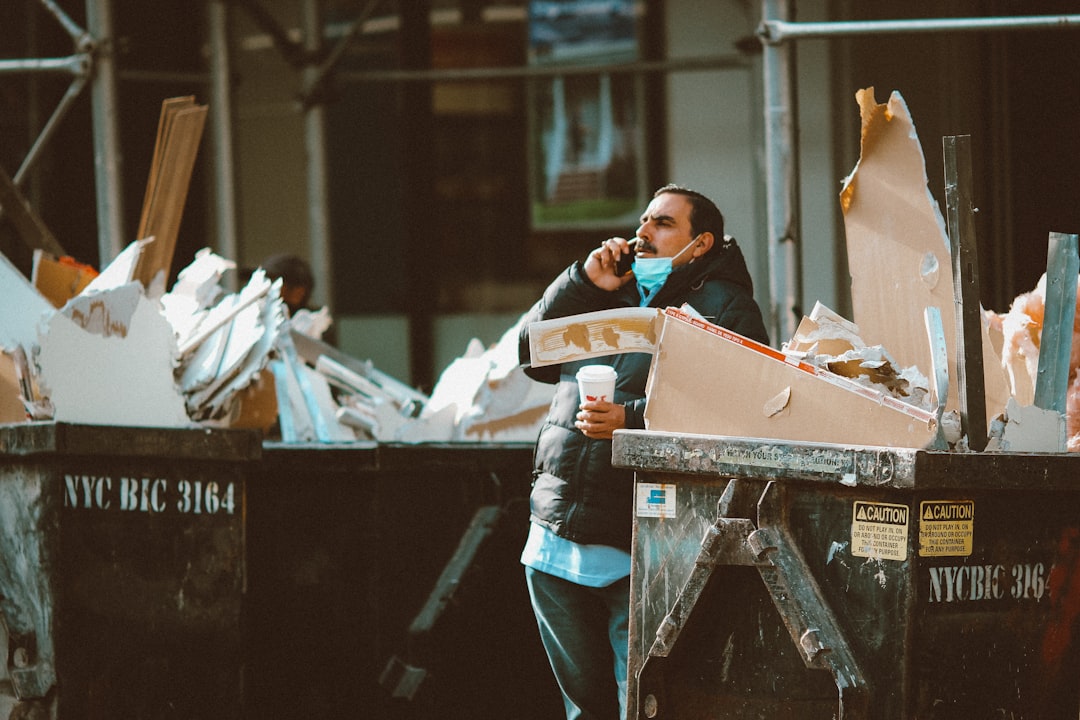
{"points": [[91, 63]]}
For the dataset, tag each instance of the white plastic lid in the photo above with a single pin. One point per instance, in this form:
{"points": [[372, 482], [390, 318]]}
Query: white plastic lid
{"points": [[596, 373]]}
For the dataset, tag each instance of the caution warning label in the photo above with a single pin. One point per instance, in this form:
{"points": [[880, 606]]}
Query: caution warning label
{"points": [[879, 530], [946, 527]]}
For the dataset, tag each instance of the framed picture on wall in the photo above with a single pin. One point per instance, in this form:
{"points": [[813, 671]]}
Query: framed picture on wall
{"points": [[586, 134]]}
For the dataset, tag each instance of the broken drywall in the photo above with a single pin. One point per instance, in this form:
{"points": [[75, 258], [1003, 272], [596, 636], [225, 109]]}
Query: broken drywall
{"points": [[492, 396], [1027, 429], [108, 360]]}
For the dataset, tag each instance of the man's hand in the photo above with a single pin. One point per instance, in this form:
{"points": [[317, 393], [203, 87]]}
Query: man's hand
{"points": [[600, 419], [600, 264]]}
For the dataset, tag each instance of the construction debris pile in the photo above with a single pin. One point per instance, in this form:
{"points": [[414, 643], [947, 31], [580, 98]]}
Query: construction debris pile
{"points": [[118, 354], [114, 348], [891, 375], [901, 258]]}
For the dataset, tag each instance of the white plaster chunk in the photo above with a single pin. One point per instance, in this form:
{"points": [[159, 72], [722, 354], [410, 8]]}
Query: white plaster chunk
{"points": [[435, 427], [120, 271], [251, 342], [110, 379], [457, 386], [258, 287], [197, 288], [296, 423], [322, 400], [493, 397], [313, 324], [1028, 428], [778, 402], [373, 418], [226, 350]]}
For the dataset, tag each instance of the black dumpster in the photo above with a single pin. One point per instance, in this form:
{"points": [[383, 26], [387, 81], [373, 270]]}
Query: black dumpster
{"points": [[121, 570], [384, 582], [775, 580]]}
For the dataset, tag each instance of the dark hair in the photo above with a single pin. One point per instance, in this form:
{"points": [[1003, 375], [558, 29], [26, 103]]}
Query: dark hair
{"points": [[704, 215], [292, 269]]}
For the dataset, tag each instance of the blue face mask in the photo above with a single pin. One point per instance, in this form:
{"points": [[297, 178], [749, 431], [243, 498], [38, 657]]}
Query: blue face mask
{"points": [[652, 273]]}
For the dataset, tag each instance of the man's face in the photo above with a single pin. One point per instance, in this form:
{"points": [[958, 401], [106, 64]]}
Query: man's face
{"points": [[665, 228]]}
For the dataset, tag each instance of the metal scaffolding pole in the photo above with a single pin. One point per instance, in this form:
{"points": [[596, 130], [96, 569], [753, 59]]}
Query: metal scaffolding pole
{"points": [[315, 144], [781, 149], [221, 128], [777, 30], [108, 157], [781, 181]]}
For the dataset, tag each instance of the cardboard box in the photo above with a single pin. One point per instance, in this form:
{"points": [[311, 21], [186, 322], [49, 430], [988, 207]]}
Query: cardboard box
{"points": [[255, 407], [12, 409], [708, 380], [61, 279]]}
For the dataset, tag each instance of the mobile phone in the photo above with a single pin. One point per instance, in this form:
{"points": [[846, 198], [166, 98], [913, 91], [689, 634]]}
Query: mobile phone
{"points": [[622, 266]]}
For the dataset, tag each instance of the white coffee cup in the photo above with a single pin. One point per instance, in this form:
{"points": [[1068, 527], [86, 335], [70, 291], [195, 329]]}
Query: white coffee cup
{"points": [[596, 383]]}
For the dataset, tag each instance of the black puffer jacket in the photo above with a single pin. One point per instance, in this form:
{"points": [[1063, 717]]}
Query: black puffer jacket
{"points": [[576, 492]]}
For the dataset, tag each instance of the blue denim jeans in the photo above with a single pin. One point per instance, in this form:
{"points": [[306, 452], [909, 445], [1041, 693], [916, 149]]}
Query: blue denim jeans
{"points": [[584, 631]]}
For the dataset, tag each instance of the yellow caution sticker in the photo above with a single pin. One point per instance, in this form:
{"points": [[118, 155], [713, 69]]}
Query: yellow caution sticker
{"points": [[946, 528], [879, 530]]}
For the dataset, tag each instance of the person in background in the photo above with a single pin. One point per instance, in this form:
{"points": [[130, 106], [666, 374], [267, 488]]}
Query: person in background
{"points": [[577, 555], [297, 279]]}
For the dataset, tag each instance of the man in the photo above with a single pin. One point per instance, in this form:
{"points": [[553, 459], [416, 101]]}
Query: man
{"points": [[577, 561], [297, 279]]}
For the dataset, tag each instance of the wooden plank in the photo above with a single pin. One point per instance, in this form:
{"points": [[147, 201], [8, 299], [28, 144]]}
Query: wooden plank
{"points": [[965, 263], [1055, 345], [168, 110], [173, 178]]}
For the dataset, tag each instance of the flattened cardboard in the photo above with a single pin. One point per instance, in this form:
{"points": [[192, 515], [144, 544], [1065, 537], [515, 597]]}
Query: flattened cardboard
{"points": [[898, 248], [12, 409], [255, 406], [57, 280], [595, 334], [708, 380]]}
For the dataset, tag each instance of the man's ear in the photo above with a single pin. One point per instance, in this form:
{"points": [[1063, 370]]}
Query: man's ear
{"points": [[704, 244]]}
